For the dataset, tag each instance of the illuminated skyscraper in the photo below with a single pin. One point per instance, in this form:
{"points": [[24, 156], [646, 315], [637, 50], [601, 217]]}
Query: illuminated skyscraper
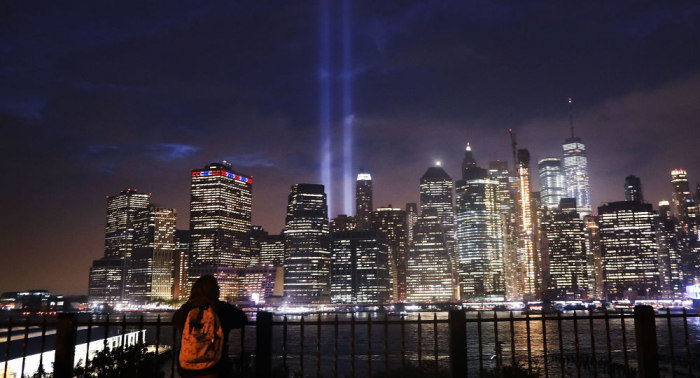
{"points": [[272, 250], [684, 207], [629, 249], [568, 269], [119, 246], [507, 199], [220, 224], [594, 259], [633, 189], [119, 233], [391, 224], [363, 201], [360, 268], [429, 276], [552, 186], [479, 233], [181, 262], [670, 262], [150, 272], [576, 171], [528, 263], [436, 190], [411, 219], [307, 256]]}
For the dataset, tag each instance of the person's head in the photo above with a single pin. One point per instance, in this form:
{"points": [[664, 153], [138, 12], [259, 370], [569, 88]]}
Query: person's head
{"points": [[205, 289]]}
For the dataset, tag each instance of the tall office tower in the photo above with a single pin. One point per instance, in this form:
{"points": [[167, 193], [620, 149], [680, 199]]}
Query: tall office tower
{"points": [[343, 223], [391, 224], [684, 207], [149, 275], [628, 246], [411, 219], [568, 268], [181, 262], [363, 201], [633, 189], [257, 236], [670, 262], [220, 223], [429, 276], [436, 189], [576, 170], [272, 250], [594, 259], [479, 234], [528, 262], [119, 245], [552, 186], [106, 282], [307, 256], [360, 268], [119, 233], [507, 198]]}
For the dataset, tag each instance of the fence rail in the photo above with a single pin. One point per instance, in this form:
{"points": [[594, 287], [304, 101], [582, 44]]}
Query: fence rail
{"points": [[349, 345]]}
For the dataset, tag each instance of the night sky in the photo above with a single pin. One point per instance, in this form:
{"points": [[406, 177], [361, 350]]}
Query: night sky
{"points": [[96, 97]]}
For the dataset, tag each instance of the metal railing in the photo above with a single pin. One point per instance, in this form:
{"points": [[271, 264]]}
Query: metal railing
{"points": [[323, 345]]}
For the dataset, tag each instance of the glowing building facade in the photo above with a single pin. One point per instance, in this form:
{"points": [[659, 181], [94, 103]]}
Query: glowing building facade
{"points": [[507, 200], [411, 219], [479, 233], [566, 240], [629, 249], [436, 197], [181, 264], [429, 275], [594, 258], [262, 281], [552, 185], [527, 259], [684, 207], [391, 224], [307, 256], [122, 209], [576, 174], [360, 268], [363, 201], [150, 272], [220, 224]]}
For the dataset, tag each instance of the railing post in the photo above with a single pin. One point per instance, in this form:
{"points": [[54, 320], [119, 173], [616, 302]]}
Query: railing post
{"points": [[647, 345], [263, 345], [66, 334], [458, 343]]}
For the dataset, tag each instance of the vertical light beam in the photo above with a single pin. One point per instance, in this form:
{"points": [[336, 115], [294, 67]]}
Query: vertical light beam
{"points": [[347, 109], [325, 100]]}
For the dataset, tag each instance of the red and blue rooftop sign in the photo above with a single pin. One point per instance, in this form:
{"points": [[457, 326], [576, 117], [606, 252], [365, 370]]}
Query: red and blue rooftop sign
{"points": [[222, 173]]}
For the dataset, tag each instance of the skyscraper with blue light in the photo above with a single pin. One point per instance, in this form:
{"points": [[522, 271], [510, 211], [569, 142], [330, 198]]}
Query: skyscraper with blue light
{"points": [[576, 171]]}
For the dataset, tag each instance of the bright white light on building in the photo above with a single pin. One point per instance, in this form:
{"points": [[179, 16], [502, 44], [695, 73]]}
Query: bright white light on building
{"points": [[438, 163], [364, 177]]}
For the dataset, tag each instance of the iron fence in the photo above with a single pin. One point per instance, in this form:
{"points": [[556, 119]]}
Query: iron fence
{"points": [[455, 343]]}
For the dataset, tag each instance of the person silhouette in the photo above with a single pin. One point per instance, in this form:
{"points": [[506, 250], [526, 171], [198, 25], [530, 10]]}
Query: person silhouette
{"points": [[205, 293]]}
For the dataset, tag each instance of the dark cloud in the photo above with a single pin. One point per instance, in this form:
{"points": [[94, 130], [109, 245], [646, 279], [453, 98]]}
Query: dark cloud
{"points": [[96, 97]]}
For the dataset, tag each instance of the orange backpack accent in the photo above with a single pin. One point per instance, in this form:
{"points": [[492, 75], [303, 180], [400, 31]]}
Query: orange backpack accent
{"points": [[202, 339]]}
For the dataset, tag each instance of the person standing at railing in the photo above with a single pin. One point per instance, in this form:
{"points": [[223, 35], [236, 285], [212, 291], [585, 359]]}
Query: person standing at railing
{"points": [[205, 297]]}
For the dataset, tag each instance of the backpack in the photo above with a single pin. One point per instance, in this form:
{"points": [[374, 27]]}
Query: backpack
{"points": [[202, 339]]}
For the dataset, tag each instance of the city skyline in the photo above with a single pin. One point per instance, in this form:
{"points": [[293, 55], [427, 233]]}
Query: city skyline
{"points": [[95, 100]]}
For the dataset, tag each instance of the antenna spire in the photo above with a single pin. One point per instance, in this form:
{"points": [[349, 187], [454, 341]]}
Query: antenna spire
{"points": [[571, 119]]}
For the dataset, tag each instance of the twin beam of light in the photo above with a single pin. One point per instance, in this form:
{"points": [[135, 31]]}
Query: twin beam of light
{"points": [[347, 109], [325, 100], [325, 104]]}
